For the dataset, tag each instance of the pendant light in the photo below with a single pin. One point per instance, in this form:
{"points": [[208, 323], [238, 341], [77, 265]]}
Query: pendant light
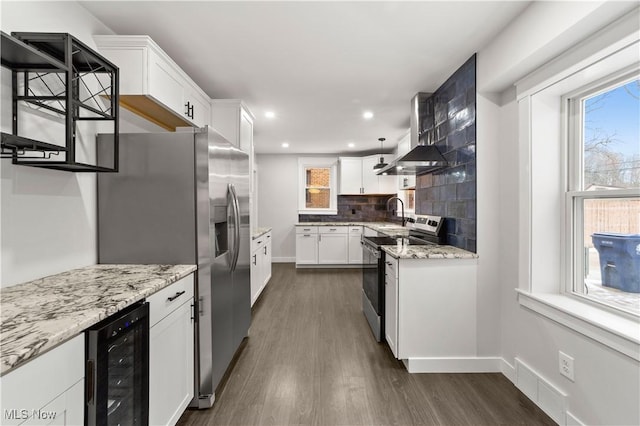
{"points": [[381, 164]]}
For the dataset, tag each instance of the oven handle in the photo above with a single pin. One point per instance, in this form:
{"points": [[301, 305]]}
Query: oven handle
{"points": [[374, 252]]}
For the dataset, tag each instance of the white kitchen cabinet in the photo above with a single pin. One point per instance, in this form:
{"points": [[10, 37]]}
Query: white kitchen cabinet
{"points": [[171, 356], [355, 248], [430, 308], [48, 389], [260, 265], [306, 245], [333, 245], [391, 304], [358, 177], [152, 85]]}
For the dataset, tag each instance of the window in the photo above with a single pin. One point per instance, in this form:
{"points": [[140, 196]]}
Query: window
{"points": [[603, 201], [317, 184]]}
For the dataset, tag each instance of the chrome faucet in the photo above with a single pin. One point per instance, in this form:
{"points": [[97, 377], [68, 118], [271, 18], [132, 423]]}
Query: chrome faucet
{"points": [[401, 204]]}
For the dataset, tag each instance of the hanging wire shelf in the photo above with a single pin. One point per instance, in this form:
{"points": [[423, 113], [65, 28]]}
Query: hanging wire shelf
{"points": [[58, 78]]}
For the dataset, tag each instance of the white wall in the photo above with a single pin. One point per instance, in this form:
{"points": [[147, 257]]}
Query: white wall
{"points": [[48, 217], [278, 202], [607, 383]]}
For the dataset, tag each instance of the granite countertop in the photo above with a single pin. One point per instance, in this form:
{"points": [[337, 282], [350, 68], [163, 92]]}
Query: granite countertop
{"points": [[428, 252], [37, 315], [259, 232], [388, 228]]}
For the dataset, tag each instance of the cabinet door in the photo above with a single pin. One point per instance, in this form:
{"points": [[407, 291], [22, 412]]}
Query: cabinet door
{"points": [[266, 261], [391, 309], [355, 248], [306, 249], [171, 366], [350, 175], [333, 249], [246, 132], [199, 108], [256, 273], [369, 177], [165, 84]]}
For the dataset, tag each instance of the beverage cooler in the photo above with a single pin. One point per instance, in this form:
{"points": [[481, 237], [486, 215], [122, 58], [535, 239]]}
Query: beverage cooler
{"points": [[117, 369]]}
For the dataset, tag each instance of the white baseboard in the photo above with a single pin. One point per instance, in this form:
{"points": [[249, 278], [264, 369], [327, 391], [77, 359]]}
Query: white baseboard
{"points": [[573, 421], [453, 365], [542, 392], [508, 370], [283, 260]]}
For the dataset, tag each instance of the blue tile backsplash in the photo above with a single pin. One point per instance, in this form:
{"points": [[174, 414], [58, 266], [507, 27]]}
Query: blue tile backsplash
{"points": [[449, 121]]}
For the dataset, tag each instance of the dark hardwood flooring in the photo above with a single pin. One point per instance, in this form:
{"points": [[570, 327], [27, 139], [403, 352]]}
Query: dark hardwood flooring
{"points": [[312, 360]]}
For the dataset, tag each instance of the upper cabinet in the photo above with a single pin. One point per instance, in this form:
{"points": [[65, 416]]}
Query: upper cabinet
{"points": [[152, 85], [357, 176], [234, 121]]}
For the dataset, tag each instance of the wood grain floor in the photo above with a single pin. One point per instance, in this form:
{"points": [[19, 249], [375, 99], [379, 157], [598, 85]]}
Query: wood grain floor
{"points": [[311, 360]]}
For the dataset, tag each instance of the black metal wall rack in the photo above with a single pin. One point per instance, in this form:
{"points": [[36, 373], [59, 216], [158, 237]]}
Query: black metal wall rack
{"points": [[56, 75]]}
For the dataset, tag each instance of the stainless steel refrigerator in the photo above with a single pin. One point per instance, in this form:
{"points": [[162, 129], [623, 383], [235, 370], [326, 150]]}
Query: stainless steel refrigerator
{"points": [[183, 198]]}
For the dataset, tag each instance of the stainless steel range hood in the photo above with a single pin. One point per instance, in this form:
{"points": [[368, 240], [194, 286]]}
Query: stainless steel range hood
{"points": [[423, 157]]}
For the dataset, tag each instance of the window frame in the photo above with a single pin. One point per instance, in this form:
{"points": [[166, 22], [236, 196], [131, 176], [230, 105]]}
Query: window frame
{"points": [[576, 194], [318, 162]]}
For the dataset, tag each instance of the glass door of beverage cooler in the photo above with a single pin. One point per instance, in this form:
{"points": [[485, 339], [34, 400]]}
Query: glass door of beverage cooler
{"points": [[117, 369]]}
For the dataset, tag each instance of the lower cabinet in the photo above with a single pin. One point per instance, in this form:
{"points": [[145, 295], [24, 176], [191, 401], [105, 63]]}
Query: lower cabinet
{"points": [[306, 245], [391, 304], [430, 308], [355, 248], [260, 265], [328, 245], [48, 390], [171, 355], [333, 245]]}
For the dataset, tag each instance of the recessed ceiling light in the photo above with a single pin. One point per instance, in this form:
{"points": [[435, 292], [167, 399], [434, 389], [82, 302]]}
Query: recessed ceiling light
{"points": [[351, 145], [367, 115], [285, 144], [270, 114]]}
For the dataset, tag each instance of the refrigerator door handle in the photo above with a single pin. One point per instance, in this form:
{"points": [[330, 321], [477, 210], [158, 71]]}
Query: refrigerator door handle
{"points": [[236, 219]]}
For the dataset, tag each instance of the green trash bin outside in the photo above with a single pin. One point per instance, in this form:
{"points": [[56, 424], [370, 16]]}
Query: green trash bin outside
{"points": [[619, 260]]}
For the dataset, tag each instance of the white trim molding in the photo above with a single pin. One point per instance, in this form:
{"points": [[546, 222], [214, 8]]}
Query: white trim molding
{"points": [[454, 365], [617, 332]]}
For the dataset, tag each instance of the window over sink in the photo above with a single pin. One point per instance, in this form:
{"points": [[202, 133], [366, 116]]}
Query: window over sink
{"points": [[317, 179]]}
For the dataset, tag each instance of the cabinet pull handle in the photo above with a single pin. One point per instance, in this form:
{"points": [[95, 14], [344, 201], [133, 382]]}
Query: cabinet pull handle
{"points": [[265, 250], [193, 311], [389, 263], [259, 241], [255, 260], [90, 379], [178, 294], [319, 237]]}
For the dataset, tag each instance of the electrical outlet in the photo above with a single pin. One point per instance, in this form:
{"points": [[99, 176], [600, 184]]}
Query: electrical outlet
{"points": [[566, 365]]}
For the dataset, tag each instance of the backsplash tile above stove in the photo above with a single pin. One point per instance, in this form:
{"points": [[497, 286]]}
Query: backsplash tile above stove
{"points": [[451, 192]]}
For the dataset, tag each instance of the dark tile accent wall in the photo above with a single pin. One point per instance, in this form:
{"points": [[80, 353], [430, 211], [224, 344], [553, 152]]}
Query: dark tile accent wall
{"points": [[450, 122], [357, 208]]}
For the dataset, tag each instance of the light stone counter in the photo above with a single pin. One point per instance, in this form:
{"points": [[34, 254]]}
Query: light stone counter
{"points": [[259, 232], [40, 314], [428, 252]]}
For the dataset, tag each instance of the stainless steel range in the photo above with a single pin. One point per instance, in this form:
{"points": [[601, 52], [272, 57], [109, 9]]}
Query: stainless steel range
{"points": [[426, 229]]}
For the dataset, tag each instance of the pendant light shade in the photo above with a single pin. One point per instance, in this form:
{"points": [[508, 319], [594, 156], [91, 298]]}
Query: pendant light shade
{"points": [[381, 164]]}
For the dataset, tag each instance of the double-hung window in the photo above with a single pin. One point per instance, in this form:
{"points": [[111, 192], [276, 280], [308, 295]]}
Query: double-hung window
{"points": [[317, 185], [602, 202]]}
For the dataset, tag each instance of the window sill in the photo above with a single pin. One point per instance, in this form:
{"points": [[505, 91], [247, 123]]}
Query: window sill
{"points": [[614, 331], [319, 211]]}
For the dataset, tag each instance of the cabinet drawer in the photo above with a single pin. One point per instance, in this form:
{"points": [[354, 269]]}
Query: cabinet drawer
{"points": [[306, 229], [169, 299], [391, 268], [333, 229], [258, 242], [355, 230]]}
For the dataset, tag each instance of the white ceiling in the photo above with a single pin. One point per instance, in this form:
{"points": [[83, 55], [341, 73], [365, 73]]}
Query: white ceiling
{"points": [[317, 65]]}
